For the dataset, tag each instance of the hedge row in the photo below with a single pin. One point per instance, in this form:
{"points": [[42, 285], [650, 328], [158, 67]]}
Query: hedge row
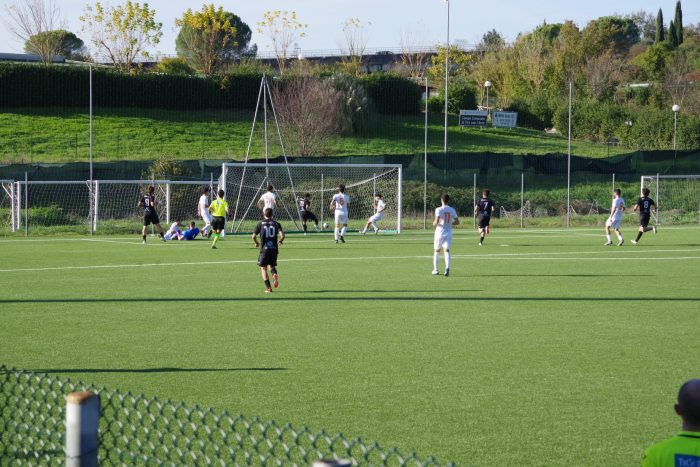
{"points": [[27, 85]]}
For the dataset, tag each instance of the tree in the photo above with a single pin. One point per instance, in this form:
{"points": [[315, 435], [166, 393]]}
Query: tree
{"points": [[678, 22], [491, 41], [353, 46], [35, 20], [69, 45], [309, 110], [645, 22], [282, 28], [123, 32], [672, 37], [413, 58], [207, 38], [660, 32], [460, 60], [653, 60], [567, 56], [675, 79], [175, 66], [609, 33]]}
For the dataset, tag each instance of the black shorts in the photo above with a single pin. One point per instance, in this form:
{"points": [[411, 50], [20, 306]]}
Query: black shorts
{"points": [[150, 217], [644, 220], [218, 223], [308, 216], [484, 221], [267, 257]]}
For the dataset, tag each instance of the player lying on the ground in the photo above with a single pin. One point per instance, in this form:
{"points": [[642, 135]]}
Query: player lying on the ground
{"points": [[339, 204], [268, 230], [484, 210], [150, 216], [219, 209], [304, 203], [445, 218], [174, 232], [615, 219], [191, 233], [378, 205], [645, 206]]}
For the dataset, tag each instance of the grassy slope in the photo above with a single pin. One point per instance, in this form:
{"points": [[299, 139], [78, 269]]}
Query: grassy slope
{"points": [[50, 135], [544, 354]]}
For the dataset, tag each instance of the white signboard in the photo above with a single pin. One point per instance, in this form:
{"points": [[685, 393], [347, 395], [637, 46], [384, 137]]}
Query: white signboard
{"points": [[505, 119], [473, 117]]}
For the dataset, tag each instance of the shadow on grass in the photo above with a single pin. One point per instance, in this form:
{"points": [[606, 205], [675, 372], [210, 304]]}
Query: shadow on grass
{"points": [[147, 370]]}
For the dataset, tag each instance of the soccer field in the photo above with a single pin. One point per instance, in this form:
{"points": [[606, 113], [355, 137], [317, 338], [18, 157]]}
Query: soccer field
{"points": [[541, 348]]}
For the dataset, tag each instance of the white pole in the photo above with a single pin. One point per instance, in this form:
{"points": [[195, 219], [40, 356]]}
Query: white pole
{"points": [[613, 181], [399, 201], [568, 164], [90, 122], [13, 200], [267, 152], [82, 424], [522, 197], [447, 69], [96, 184], [167, 203], [26, 204], [425, 160], [658, 201], [322, 200]]}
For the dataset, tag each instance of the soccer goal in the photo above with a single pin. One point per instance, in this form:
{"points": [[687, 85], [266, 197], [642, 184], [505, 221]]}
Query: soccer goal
{"points": [[677, 197], [7, 205], [55, 206], [244, 183]]}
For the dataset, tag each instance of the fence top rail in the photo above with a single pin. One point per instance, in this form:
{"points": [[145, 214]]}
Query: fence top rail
{"points": [[671, 176], [2, 180], [53, 182], [263, 165], [157, 182]]}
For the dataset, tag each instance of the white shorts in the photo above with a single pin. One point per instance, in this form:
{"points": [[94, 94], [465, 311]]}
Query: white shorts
{"points": [[614, 223], [206, 217], [442, 240], [341, 218], [377, 217]]}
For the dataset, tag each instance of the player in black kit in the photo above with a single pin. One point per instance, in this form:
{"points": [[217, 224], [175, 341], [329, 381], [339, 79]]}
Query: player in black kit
{"points": [[306, 215], [645, 206], [150, 216], [484, 209], [268, 229]]}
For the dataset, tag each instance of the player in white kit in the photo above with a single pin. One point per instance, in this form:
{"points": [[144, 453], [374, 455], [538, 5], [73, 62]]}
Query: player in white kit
{"points": [[203, 211], [615, 219], [268, 200], [340, 203], [445, 218], [379, 205]]}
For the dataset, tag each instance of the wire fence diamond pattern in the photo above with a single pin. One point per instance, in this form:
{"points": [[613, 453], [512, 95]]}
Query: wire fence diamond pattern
{"points": [[136, 430]]}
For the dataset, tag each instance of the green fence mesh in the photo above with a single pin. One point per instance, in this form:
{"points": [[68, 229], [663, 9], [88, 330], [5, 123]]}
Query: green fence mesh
{"points": [[136, 430]]}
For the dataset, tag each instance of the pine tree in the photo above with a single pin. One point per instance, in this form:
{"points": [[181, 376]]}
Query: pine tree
{"points": [[660, 33], [672, 38], [678, 23]]}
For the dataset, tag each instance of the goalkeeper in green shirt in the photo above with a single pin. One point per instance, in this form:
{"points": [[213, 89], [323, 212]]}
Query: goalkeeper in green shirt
{"points": [[683, 450]]}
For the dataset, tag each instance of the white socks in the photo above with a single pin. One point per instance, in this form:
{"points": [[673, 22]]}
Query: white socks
{"points": [[447, 260], [335, 232], [374, 227], [436, 258], [342, 231], [609, 238], [619, 237]]}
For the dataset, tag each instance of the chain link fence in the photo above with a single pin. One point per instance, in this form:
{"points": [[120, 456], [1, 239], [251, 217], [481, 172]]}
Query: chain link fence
{"points": [[136, 430]]}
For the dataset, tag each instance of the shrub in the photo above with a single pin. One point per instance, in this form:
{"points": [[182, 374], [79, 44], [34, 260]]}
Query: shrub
{"points": [[392, 93]]}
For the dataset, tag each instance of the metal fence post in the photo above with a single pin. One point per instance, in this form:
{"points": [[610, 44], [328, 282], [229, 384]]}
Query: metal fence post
{"points": [[473, 205], [82, 422], [522, 197], [26, 204]]}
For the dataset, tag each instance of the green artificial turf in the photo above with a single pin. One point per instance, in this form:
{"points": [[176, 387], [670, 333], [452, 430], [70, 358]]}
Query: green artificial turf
{"points": [[60, 135], [543, 347]]}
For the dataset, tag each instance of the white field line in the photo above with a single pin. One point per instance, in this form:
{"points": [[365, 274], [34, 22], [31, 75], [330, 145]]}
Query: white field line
{"points": [[491, 256]]}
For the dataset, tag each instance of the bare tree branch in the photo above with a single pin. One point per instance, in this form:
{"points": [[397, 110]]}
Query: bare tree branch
{"points": [[30, 18]]}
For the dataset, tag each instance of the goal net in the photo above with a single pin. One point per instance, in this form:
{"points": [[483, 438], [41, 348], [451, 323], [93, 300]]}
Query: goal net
{"points": [[677, 197], [7, 206], [244, 183], [57, 206]]}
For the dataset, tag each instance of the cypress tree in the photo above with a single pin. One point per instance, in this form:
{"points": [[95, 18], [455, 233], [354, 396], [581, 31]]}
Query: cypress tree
{"points": [[672, 38], [678, 23], [660, 33]]}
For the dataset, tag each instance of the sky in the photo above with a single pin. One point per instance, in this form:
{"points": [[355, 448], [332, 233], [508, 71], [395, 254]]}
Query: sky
{"points": [[469, 19]]}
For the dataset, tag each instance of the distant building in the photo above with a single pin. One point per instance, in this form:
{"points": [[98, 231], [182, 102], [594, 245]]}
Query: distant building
{"points": [[27, 58]]}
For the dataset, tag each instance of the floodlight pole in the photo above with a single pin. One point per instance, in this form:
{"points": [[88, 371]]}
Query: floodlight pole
{"points": [[568, 164], [447, 70], [425, 161], [675, 109], [90, 86]]}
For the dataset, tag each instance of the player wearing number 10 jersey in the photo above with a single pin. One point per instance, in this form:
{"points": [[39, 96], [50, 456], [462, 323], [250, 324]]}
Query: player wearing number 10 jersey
{"points": [[268, 230], [445, 218]]}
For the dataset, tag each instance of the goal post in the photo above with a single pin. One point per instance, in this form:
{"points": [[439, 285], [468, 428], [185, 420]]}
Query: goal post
{"points": [[7, 205], [677, 197], [244, 183]]}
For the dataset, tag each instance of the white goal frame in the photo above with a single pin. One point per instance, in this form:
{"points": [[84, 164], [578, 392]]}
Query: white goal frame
{"points": [[653, 181], [237, 219]]}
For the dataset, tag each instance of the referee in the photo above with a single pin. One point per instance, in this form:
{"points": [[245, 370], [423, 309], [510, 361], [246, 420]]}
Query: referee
{"points": [[219, 209]]}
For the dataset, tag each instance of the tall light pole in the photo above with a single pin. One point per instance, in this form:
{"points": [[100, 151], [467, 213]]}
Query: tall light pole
{"points": [[447, 68], [487, 85], [675, 109], [628, 124]]}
